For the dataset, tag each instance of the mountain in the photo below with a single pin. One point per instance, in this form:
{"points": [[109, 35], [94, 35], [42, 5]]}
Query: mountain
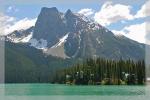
{"points": [[72, 35]]}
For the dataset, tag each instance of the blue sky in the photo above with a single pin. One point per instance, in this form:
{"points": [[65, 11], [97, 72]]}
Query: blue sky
{"points": [[30, 10]]}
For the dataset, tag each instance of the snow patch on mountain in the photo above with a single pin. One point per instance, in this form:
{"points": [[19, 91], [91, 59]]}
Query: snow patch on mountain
{"points": [[91, 23], [63, 18], [98, 41], [61, 41], [106, 30], [83, 17], [22, 39], [39, 44], [58, 49], [14, 40], [27, 39]]}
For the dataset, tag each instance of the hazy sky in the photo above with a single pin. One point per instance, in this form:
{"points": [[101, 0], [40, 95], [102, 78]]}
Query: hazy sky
{"points": [[127, 17]]}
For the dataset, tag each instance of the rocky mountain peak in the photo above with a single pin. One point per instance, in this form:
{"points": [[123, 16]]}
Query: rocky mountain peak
{"points": [[49, 25], [68, 13], [49, 10]]}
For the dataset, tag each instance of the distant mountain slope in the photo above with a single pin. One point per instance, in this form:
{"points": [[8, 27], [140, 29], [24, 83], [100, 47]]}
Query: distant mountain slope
{"points": [[27, 64], [72, 35]]}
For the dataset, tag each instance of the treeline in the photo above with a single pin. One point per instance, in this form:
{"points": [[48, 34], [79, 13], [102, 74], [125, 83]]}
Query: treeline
{"points": [[25, 64], [103, 72]]}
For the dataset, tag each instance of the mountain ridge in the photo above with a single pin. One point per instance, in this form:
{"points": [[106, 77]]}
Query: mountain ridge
{"points": [[85, 38]]}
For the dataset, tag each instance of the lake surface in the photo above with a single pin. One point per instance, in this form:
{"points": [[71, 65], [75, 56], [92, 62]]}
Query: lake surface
{"points": [[67, 92], [55, 89]]}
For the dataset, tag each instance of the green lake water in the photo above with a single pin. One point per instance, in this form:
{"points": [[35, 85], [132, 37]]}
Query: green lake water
{"points": [[67, 92]]}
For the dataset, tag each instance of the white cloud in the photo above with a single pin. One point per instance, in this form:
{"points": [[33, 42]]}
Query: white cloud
{"points": [[118, 33], [86, 11], [135, 32], [4, 22], [110, 13], [144, 11], [9, 24], [21, 24]]}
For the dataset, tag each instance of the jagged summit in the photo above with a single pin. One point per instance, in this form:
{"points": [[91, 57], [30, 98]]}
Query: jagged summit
{"points": [[49, 26], [68, 12]]}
